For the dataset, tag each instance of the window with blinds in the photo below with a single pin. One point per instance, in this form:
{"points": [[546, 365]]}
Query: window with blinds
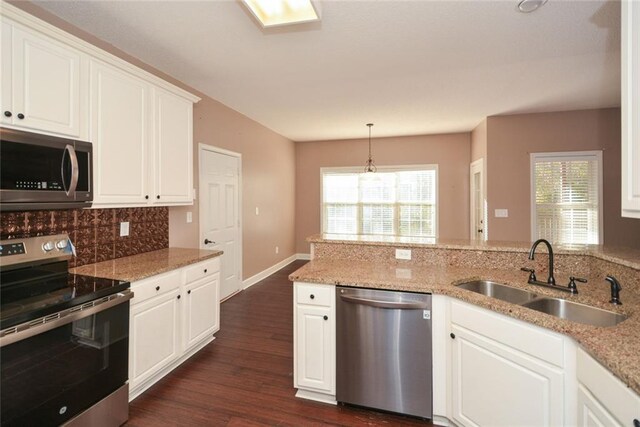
{"points": [[566, 197], [399, 202]]}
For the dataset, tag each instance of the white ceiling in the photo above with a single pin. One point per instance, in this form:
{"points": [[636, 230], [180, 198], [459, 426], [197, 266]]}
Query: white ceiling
{"points": [[410, 67]]}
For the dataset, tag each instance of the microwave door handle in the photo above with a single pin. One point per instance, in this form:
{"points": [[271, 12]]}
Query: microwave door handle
{"points": [[68, 149]]}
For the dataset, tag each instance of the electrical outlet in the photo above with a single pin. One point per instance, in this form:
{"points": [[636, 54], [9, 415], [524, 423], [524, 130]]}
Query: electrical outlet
{"points": [[124, 229], [189, 217], [403, 253], [502, 213], [277, 250], [257, 211]]}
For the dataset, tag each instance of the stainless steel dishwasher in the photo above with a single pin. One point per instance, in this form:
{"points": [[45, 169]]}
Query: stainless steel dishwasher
{"points": [[384, 350]]}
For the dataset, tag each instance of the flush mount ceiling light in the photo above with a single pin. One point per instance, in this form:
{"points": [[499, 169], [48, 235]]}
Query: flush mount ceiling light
{"points": [[273, 13], [527, 6], [370, 166]]}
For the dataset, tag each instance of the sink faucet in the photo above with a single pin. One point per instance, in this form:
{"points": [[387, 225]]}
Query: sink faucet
{"points": [[551, 280], [615, 290]]}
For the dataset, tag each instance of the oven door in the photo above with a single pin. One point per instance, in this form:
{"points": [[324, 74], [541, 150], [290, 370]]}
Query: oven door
{"points": [[44, 172], [55, 370]]}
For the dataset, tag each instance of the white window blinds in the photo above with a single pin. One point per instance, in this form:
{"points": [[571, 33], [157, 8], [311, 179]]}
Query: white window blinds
{"points": [[567, 199], [388, 202]]}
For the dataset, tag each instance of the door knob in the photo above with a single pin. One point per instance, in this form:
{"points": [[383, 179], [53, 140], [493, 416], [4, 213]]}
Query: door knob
{"points": [[480, 230], [207, 241]]}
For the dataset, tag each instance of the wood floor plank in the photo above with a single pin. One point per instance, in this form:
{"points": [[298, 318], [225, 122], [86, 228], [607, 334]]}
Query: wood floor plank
{"points": [[245, 376]]}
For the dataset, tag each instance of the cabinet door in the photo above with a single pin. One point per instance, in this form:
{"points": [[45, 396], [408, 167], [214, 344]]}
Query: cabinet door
{"points": [[119, 132], [173, 145], [315, 348], [153, 336], [630, 19], [45, 83], [591, 413], [496, 385], [202, 310]]}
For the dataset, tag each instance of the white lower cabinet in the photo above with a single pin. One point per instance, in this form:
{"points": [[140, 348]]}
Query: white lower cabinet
{"points": [[315, 341], [173, 315], [200, 320], [153, 336], [603, 400], [499, 377]]}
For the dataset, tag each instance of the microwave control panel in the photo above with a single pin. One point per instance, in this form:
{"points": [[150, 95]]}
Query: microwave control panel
{"points": [[38, 185]]}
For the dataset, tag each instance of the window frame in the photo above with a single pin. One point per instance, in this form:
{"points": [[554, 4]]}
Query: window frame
{"points": [[559, 157], [397, 168]]}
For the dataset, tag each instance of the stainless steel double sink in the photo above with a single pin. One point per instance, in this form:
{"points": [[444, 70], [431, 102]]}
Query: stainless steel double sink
{"points": [[558, 307]]}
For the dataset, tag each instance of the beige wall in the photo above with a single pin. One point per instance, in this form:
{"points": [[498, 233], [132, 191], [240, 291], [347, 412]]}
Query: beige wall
{"points": [[450, 151], [510, 141], [267, 164], [479, 141]]}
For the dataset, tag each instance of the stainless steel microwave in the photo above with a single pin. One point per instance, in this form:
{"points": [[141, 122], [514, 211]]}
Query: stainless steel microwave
{"points": [[44, 172]]}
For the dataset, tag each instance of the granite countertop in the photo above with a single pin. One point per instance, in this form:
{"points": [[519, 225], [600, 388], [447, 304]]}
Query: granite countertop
{"points": [[617, 347], [137, 267], [629, 257]]}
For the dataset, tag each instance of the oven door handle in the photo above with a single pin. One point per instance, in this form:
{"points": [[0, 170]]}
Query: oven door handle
{"points": [[52, 321], [68, 149]]}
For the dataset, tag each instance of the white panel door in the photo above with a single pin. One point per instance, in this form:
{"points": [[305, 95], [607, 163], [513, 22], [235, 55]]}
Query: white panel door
{"points": [[315, 338], [219, 215], [591, 413], [477, 198], [153, 336], [201, 311], [119, 121], [45, 75], [494, 385], [173, 145]]}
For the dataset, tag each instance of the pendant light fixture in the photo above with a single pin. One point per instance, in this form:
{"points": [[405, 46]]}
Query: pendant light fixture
{"points": [[370, 166]]}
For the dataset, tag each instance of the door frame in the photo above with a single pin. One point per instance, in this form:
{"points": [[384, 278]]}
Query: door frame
{"points": [[206, 147], [475, 167]]}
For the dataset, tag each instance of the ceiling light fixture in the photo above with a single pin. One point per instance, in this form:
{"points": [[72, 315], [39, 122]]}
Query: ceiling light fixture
{"points": [[273, 13], [370, 166], [527, 6]]}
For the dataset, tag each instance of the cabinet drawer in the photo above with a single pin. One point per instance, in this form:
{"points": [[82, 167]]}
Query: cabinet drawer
{"points": [[155, 285], [314, 295], [202, 269]]}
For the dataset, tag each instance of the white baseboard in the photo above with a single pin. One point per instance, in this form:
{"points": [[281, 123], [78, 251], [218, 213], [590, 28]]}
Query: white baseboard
{"points": [[318, 397], [268, 272]]}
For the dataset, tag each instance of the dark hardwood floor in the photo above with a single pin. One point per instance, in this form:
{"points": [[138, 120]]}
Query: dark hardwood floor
{"points": [[245, 376]]}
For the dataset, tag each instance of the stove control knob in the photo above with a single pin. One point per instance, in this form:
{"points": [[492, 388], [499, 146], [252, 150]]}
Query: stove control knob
{"points": [[61, 244], [48, 247]]}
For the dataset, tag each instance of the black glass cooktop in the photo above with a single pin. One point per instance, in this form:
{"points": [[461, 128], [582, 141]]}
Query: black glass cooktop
{"points": [[30, 293]]}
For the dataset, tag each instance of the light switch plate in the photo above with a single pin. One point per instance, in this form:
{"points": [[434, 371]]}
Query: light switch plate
{"points": [[502, 213], [124, 229], [403, 253], [189, 217]]}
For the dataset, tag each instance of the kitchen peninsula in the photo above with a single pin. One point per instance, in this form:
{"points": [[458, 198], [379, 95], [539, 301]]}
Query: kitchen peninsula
{"points": [[463, 321]]}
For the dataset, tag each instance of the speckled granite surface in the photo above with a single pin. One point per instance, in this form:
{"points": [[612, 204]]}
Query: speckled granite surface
{"points": [[147, 264], [617, 348], [629, 257]]}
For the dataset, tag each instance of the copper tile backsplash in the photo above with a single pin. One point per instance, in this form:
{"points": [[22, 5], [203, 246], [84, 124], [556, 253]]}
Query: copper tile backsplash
{"points": [[94, 232]]}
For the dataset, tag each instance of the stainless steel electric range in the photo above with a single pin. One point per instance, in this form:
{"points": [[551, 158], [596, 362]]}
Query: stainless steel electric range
{"points": [[64, 339]]}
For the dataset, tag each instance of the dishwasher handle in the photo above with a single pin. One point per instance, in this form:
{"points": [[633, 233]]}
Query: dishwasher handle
{"points": [[414, 305]]}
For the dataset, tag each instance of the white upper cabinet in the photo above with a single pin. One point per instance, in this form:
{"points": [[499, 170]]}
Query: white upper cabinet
{"points": [[140, 125], [120, 135], [630, 109], [42, 81], [173, 148]]}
